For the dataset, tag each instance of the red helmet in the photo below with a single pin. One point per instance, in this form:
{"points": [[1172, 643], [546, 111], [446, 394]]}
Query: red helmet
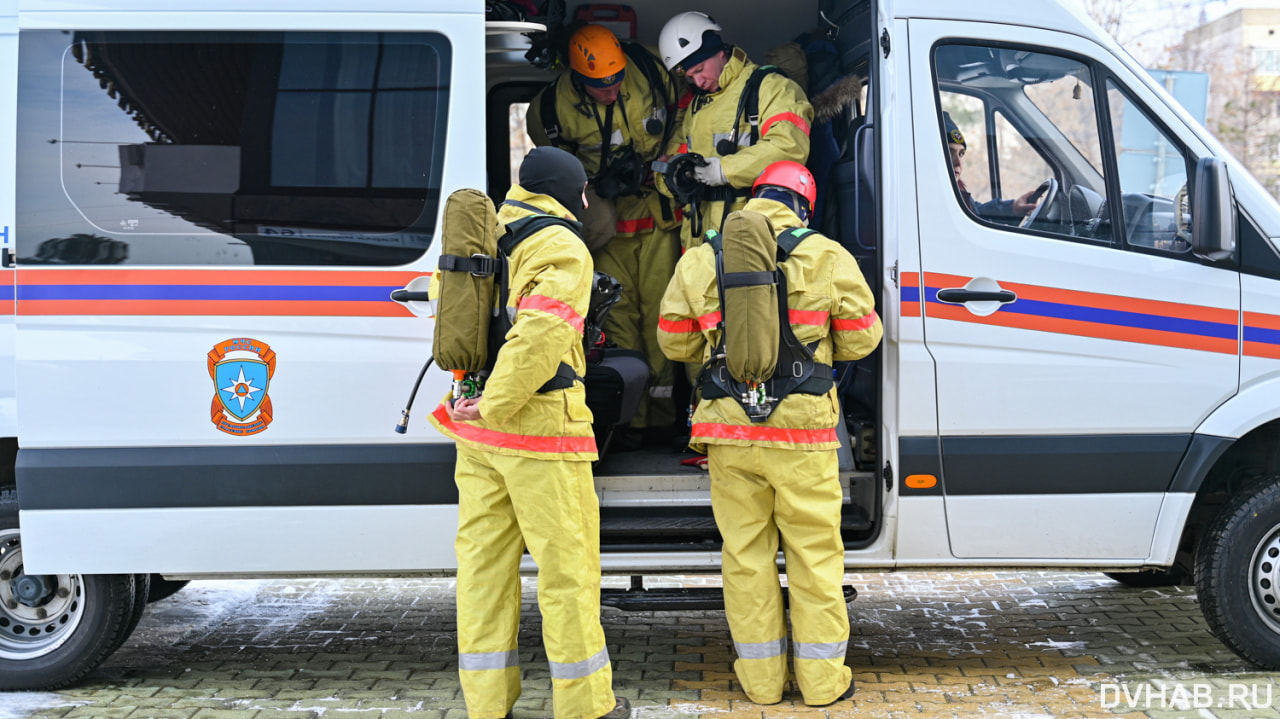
{"points": [[789, 176]]}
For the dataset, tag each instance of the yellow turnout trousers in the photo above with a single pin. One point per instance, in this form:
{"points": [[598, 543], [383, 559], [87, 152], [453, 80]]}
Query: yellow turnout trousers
{"points": [[757, 492], [505, 504], [642, 258]]}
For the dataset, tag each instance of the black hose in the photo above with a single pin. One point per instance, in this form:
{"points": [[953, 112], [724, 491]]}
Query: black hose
{"points": [[403, 425]]}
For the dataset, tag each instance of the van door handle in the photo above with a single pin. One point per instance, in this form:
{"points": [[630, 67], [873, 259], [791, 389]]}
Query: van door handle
{"points": [[958, 295], [408, 296]]}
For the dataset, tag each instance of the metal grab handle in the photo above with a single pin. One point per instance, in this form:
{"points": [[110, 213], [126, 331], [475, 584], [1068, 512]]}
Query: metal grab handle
{"points": [[960, 296], [407, 296]]}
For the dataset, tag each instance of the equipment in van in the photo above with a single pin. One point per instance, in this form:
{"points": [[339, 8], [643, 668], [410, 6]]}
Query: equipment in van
{"points": [[758, 360]]}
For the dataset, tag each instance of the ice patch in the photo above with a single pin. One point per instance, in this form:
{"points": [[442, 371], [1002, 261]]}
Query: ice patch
{"points": [[19, 705], [1057, 645]]}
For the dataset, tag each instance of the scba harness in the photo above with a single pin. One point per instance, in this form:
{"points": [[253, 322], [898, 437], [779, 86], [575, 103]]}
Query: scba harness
{"points": [[480, 352], [795, 369]]}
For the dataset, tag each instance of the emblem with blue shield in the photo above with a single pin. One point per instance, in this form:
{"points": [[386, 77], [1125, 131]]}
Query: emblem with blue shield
{"points": [[241, 369]]}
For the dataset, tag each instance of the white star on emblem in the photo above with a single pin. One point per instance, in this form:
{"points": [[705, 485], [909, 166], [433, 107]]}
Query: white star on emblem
{"points": [[242, 389]]}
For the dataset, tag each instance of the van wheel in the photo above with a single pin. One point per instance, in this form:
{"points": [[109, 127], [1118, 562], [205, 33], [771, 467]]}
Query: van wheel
{"points": [[162, 588], [141, 587], [1146, 579], [1238, 574], [54, 629]]}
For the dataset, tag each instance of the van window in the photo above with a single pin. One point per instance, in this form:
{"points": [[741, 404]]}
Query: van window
{"points": [[263, 148], [518, 133], [970, 114], [1153, 178], [1020, 165], [1044, 148]]}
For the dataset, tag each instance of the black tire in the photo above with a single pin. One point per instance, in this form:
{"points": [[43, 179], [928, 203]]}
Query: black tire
{"points": [[1149, 578], [86, 617], [1237, 573], [162, 588], [141, 586]]}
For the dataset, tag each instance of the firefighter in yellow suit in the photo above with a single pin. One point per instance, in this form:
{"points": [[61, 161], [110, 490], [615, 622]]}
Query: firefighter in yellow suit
{"points": [[718, 74], [612, 91], [780, 475], [524, 472]]}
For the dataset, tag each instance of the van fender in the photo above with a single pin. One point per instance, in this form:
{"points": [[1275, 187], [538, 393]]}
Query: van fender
{"points": [[1252, 407]]}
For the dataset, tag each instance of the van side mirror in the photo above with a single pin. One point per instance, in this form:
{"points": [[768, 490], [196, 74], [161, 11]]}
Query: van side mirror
{"points": [[1213, 214]]}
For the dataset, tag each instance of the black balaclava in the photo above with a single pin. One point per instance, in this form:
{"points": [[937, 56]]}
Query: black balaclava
{"points": [[552, 171]]}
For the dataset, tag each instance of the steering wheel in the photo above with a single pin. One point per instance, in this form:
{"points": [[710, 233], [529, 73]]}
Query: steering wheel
{"points": [[1048, 193]]}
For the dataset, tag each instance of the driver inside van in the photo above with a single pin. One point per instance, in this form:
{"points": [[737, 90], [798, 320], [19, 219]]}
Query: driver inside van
{"points": [[997, 209]]}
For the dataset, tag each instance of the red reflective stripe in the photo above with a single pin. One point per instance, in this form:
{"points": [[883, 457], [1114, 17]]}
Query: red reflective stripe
{"points": [[552, 306], [507, 440], [629, 226], [705, 322], [677, 327], [763, 434], [790, 117], [861, 323], [684, 101], [809, 317]]}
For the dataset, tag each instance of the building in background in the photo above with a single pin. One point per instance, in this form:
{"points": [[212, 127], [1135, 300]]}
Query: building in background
{"points": [[1241, 53]]}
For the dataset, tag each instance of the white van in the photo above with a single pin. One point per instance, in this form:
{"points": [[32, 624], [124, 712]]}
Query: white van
{"points": [[206, 207]]}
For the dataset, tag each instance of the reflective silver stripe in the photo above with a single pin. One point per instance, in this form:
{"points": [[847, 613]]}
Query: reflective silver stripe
{"points": [[762, 650], [488, 660], [662, 391], [821, 650], [584, 668]]}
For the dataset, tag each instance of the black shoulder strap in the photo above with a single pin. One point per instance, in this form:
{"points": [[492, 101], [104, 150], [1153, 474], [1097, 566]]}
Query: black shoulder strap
{"points": [[790, 239], [749, 102], [525, 227], [648, 65], [551, 119]]}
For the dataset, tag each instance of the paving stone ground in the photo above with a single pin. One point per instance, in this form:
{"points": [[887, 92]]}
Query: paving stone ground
{"points": [[925, 644]]}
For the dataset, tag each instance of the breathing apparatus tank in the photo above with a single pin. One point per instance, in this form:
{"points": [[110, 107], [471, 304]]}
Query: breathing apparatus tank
{"points": [[468, 266], [749, 305]]}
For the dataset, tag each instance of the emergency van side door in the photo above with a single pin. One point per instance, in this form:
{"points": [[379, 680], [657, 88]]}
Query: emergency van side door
{"points": [[211, 224], [1079, 345]]}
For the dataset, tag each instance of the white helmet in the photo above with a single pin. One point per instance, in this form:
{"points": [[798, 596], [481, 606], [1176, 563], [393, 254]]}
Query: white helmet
{"points": [[681, 37]]}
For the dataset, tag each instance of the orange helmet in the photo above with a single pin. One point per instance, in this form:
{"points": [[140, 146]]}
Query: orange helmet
{"points": [[789, 176], [596, 56]]}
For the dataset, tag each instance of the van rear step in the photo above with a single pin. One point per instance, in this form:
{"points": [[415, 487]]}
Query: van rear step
{"points": [[692, 522], [674, 599]]}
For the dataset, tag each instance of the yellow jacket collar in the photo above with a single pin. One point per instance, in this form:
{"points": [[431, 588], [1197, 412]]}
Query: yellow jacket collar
{"points": [[546, 203], [737, 64], [780, 216]]}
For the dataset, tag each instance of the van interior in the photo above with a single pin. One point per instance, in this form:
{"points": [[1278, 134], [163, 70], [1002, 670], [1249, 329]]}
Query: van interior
{"points": [[649, 500]]}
